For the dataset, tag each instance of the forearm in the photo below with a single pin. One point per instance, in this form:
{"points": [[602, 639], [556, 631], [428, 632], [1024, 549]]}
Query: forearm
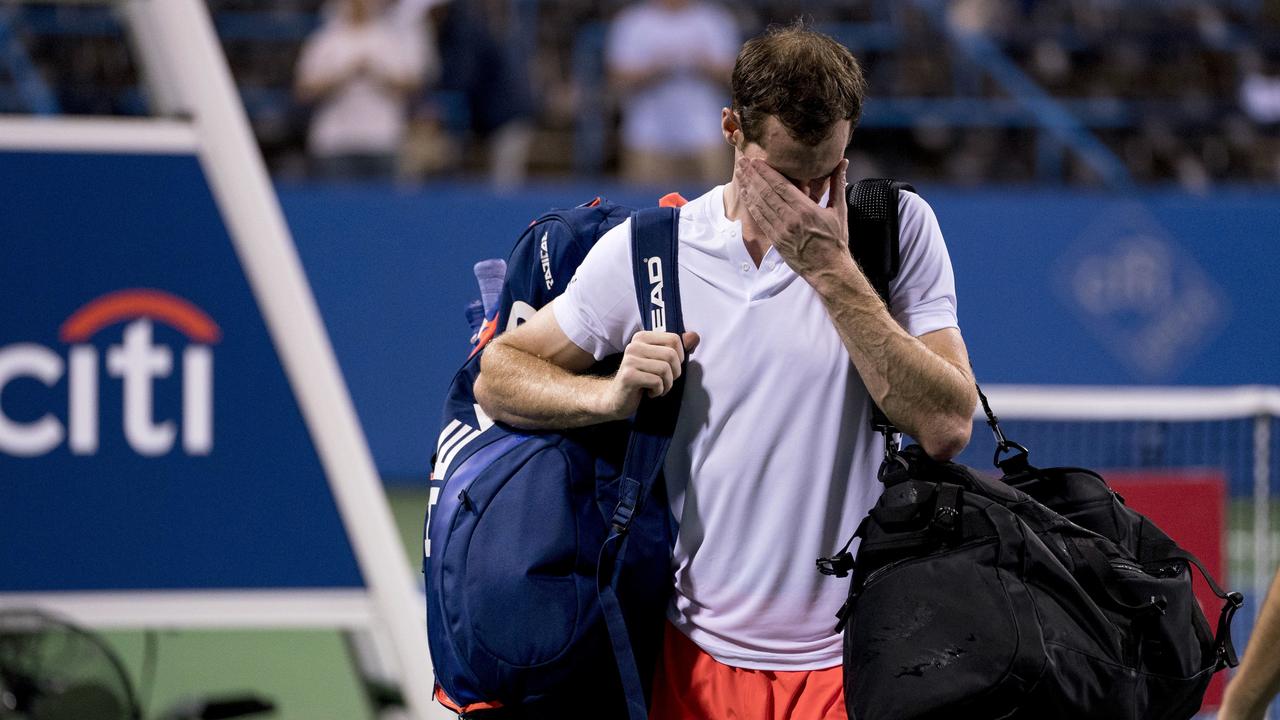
{"points": [[310, 91], [395, 78], [923, 393], [528, 392], [1258, 679], [315, 85]]}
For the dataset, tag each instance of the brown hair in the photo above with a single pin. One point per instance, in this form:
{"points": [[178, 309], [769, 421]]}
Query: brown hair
{"points": [[804, 78]]}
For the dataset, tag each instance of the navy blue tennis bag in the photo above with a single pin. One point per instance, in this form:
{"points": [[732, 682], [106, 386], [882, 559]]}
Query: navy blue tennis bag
{"points": [[532, 537]]}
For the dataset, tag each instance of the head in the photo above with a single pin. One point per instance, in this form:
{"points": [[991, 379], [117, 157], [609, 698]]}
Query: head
{"points": [[797, 95]]}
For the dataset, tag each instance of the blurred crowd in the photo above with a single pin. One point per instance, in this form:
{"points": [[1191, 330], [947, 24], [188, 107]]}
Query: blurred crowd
{"points": [[1179, 91]]}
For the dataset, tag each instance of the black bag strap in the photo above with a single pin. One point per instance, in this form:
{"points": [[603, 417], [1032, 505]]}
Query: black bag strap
{"points": [[1018, 463], [1222, 643], [654, 256], [1015, 463], [873, 229], [875, 246], [874, 243]]}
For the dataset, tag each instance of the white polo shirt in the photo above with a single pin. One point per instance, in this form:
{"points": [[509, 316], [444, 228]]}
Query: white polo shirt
{"points": [[773, 464]]}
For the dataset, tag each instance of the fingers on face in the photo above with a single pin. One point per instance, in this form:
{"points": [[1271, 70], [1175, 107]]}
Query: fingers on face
{"points": [[839, 176], [765, 218], [778, 184], [839, 182], [760, 200]]}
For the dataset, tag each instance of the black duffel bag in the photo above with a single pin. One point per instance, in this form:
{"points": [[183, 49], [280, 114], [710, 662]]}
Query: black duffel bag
{"points": [[1038, 595]]}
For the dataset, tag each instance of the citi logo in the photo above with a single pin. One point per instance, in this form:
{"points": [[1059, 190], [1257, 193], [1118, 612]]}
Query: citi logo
{"points": [[136, 361]]}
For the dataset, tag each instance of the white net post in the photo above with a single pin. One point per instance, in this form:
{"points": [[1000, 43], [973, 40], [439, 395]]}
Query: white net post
{"points": [[183, 34], [1261, 509], [189, 81]]}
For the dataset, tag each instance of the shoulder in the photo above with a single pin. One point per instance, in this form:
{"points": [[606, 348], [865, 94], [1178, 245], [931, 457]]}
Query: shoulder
{"points": [[323, 36], [917, 223], [611, 254], [914, 209], [698, 226], [633, 15], [699, 210], [716, 14], [629, 33], [386, 29], [619, 236]]}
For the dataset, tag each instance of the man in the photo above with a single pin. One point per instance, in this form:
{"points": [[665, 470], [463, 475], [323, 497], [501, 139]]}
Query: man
{"points": [[773, 462]]}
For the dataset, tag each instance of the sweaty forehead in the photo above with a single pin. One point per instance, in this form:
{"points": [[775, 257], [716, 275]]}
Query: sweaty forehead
{"points": [[795, 159]]}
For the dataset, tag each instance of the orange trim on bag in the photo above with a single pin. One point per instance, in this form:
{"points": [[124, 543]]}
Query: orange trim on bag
{"points": [[448, 702], [595, 202], [672, 200], [487, 331]]}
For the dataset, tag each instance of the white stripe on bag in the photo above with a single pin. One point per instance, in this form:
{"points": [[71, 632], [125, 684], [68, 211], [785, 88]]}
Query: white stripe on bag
{"points": [[453, 453]]}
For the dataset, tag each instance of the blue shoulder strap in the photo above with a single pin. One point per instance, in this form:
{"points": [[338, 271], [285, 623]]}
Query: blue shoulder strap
{"points": [[653, 253]]}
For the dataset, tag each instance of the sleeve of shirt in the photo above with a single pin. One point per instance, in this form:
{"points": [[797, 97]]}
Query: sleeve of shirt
{"points": [[598, 309], [322, 57], [405, 53], [924, 293]]}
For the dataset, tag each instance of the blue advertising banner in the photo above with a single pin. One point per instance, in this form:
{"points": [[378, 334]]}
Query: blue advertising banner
{"points": [[1054, 286], [148, 434]]}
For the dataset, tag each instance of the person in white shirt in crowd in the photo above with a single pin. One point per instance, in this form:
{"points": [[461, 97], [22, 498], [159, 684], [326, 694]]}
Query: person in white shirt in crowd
{"points": [[360, 69], [773, 459], [669, 62]]}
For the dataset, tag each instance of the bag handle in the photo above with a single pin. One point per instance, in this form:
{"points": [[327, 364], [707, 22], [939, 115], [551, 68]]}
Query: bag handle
{"points": [[1014, 463], [1222, 643], [654, 257]]}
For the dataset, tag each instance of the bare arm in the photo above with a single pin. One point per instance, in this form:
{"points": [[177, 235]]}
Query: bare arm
{"points": [[533, 376], [923, 384], [1258, 679], [324, 69], [315, 86], [398, 72], [321, 70]]}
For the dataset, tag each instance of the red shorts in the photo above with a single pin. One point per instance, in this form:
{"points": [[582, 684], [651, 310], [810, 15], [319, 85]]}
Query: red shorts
{"points": [[692, 685]]}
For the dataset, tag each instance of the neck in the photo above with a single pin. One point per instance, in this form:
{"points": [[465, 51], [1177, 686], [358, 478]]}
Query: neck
{"points": [[752, 238]]}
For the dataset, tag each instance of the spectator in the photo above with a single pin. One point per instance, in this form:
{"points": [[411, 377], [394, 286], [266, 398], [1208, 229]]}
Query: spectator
{"points": [[359, 69], [484, 94], [670, 60], [1259, 92], [493, 82]]}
